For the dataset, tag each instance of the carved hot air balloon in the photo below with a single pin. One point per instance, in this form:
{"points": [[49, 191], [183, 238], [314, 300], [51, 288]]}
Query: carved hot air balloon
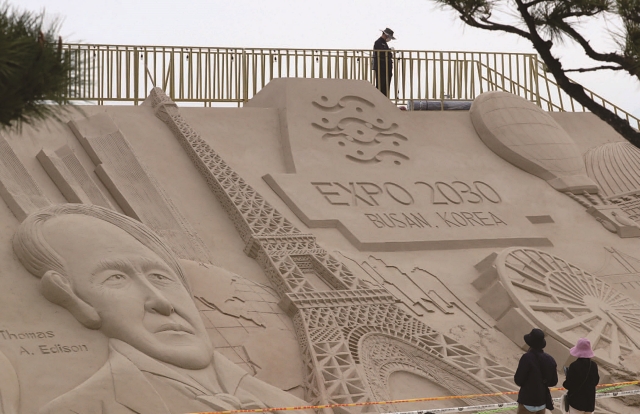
{"points": [[527, 137], [614, 166]]}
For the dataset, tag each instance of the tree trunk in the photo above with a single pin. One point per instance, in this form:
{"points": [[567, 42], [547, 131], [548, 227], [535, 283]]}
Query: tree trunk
{"points": [[576, 91]]}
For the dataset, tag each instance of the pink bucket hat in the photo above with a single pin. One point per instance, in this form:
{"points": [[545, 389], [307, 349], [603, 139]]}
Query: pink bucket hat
{"points": [[582, 349]]}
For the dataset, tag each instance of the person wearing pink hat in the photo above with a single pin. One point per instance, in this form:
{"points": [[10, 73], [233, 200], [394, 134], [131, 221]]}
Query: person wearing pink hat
{"points": [[582, 378]]}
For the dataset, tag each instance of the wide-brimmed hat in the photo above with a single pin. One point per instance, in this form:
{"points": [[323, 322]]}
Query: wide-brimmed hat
{"points": [[535, 339], [582, 349], [389, 33]]}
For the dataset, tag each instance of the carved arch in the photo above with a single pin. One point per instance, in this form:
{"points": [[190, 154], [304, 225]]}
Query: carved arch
{"points": [[382, 355]]}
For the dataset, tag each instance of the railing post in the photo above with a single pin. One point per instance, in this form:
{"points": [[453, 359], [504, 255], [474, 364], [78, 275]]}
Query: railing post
{"points": [[536, 78], [136, 75], [245, 77], [442, 81], [171, 75]]}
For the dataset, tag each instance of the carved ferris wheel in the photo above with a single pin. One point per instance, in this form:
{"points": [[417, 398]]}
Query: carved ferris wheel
{"points": [[570, 303]]}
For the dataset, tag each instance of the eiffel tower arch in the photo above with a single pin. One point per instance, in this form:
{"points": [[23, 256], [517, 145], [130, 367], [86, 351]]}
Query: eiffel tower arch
{"points": [[382, 356], [336, 328], [462, 361], [341, 336]]}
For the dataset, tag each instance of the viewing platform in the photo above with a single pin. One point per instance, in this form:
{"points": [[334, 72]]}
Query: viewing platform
{"points": [[221, 76]]}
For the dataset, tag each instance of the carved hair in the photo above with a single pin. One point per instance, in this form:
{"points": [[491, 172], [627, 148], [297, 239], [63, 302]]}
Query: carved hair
{"points": [[38, 257]]}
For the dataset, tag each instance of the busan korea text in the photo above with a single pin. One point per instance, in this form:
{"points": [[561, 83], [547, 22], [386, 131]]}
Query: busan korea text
{"points": [[447, 219]]}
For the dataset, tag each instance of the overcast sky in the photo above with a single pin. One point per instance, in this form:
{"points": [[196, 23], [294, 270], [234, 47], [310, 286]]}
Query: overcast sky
{"points": [[341, 24]]}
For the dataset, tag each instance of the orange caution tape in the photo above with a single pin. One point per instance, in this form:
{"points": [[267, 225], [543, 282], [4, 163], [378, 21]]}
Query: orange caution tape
{"points": [[448, 397]]}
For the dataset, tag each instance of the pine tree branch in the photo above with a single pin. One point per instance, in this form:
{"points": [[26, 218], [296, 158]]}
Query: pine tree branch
{"points": [[625, 63], [594, 69], [36, 75], [478, 14], [534, 3]]}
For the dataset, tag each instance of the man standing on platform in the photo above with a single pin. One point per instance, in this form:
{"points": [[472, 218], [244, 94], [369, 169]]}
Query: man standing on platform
{"points": [[383, 61]]}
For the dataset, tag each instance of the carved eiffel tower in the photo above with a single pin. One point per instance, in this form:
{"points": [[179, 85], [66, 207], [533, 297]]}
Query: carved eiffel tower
{"points": [[330, 325]]}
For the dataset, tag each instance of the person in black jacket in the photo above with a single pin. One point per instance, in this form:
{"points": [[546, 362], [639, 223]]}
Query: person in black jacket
{"points": [[383, 61], [535, 374], [582, 378]]}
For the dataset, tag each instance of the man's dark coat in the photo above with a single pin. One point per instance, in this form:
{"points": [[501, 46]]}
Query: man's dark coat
{"points": [[535, 374], [382, 65]]}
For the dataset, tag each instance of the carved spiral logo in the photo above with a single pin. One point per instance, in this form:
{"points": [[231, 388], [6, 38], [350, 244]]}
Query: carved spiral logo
{"points": [[352, 124]]}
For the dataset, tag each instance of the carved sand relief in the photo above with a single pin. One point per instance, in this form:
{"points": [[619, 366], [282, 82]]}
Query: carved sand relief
{"points": [[524, 288], [386, 202], [134, 189], [350, 123], [423, 294], [527, 137], [329, 319], [62, 166], [382, 213], [614, 166], [329, 327], [9, 387], [271, 239], [385, 358], [242, 318], [17, 188], [73, 181], [125, 281], [622, 271]]}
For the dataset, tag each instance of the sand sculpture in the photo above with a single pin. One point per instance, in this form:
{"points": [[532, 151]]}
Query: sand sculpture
{"points": [[121, 279], [316, 246], [527, 137]]}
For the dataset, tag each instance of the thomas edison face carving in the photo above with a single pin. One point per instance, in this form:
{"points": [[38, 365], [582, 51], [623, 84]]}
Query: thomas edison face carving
{"points": [[138, 298]]}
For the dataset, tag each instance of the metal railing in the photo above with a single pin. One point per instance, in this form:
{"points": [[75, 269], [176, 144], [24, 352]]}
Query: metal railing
{"points": [[213, 75]]}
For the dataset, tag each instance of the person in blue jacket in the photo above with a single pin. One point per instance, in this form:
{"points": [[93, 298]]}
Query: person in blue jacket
{"points": [[535, 374]]}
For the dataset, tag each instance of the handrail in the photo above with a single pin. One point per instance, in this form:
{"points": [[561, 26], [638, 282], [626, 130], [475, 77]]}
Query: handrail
{"points": [[232, 76], [564, 102]]}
